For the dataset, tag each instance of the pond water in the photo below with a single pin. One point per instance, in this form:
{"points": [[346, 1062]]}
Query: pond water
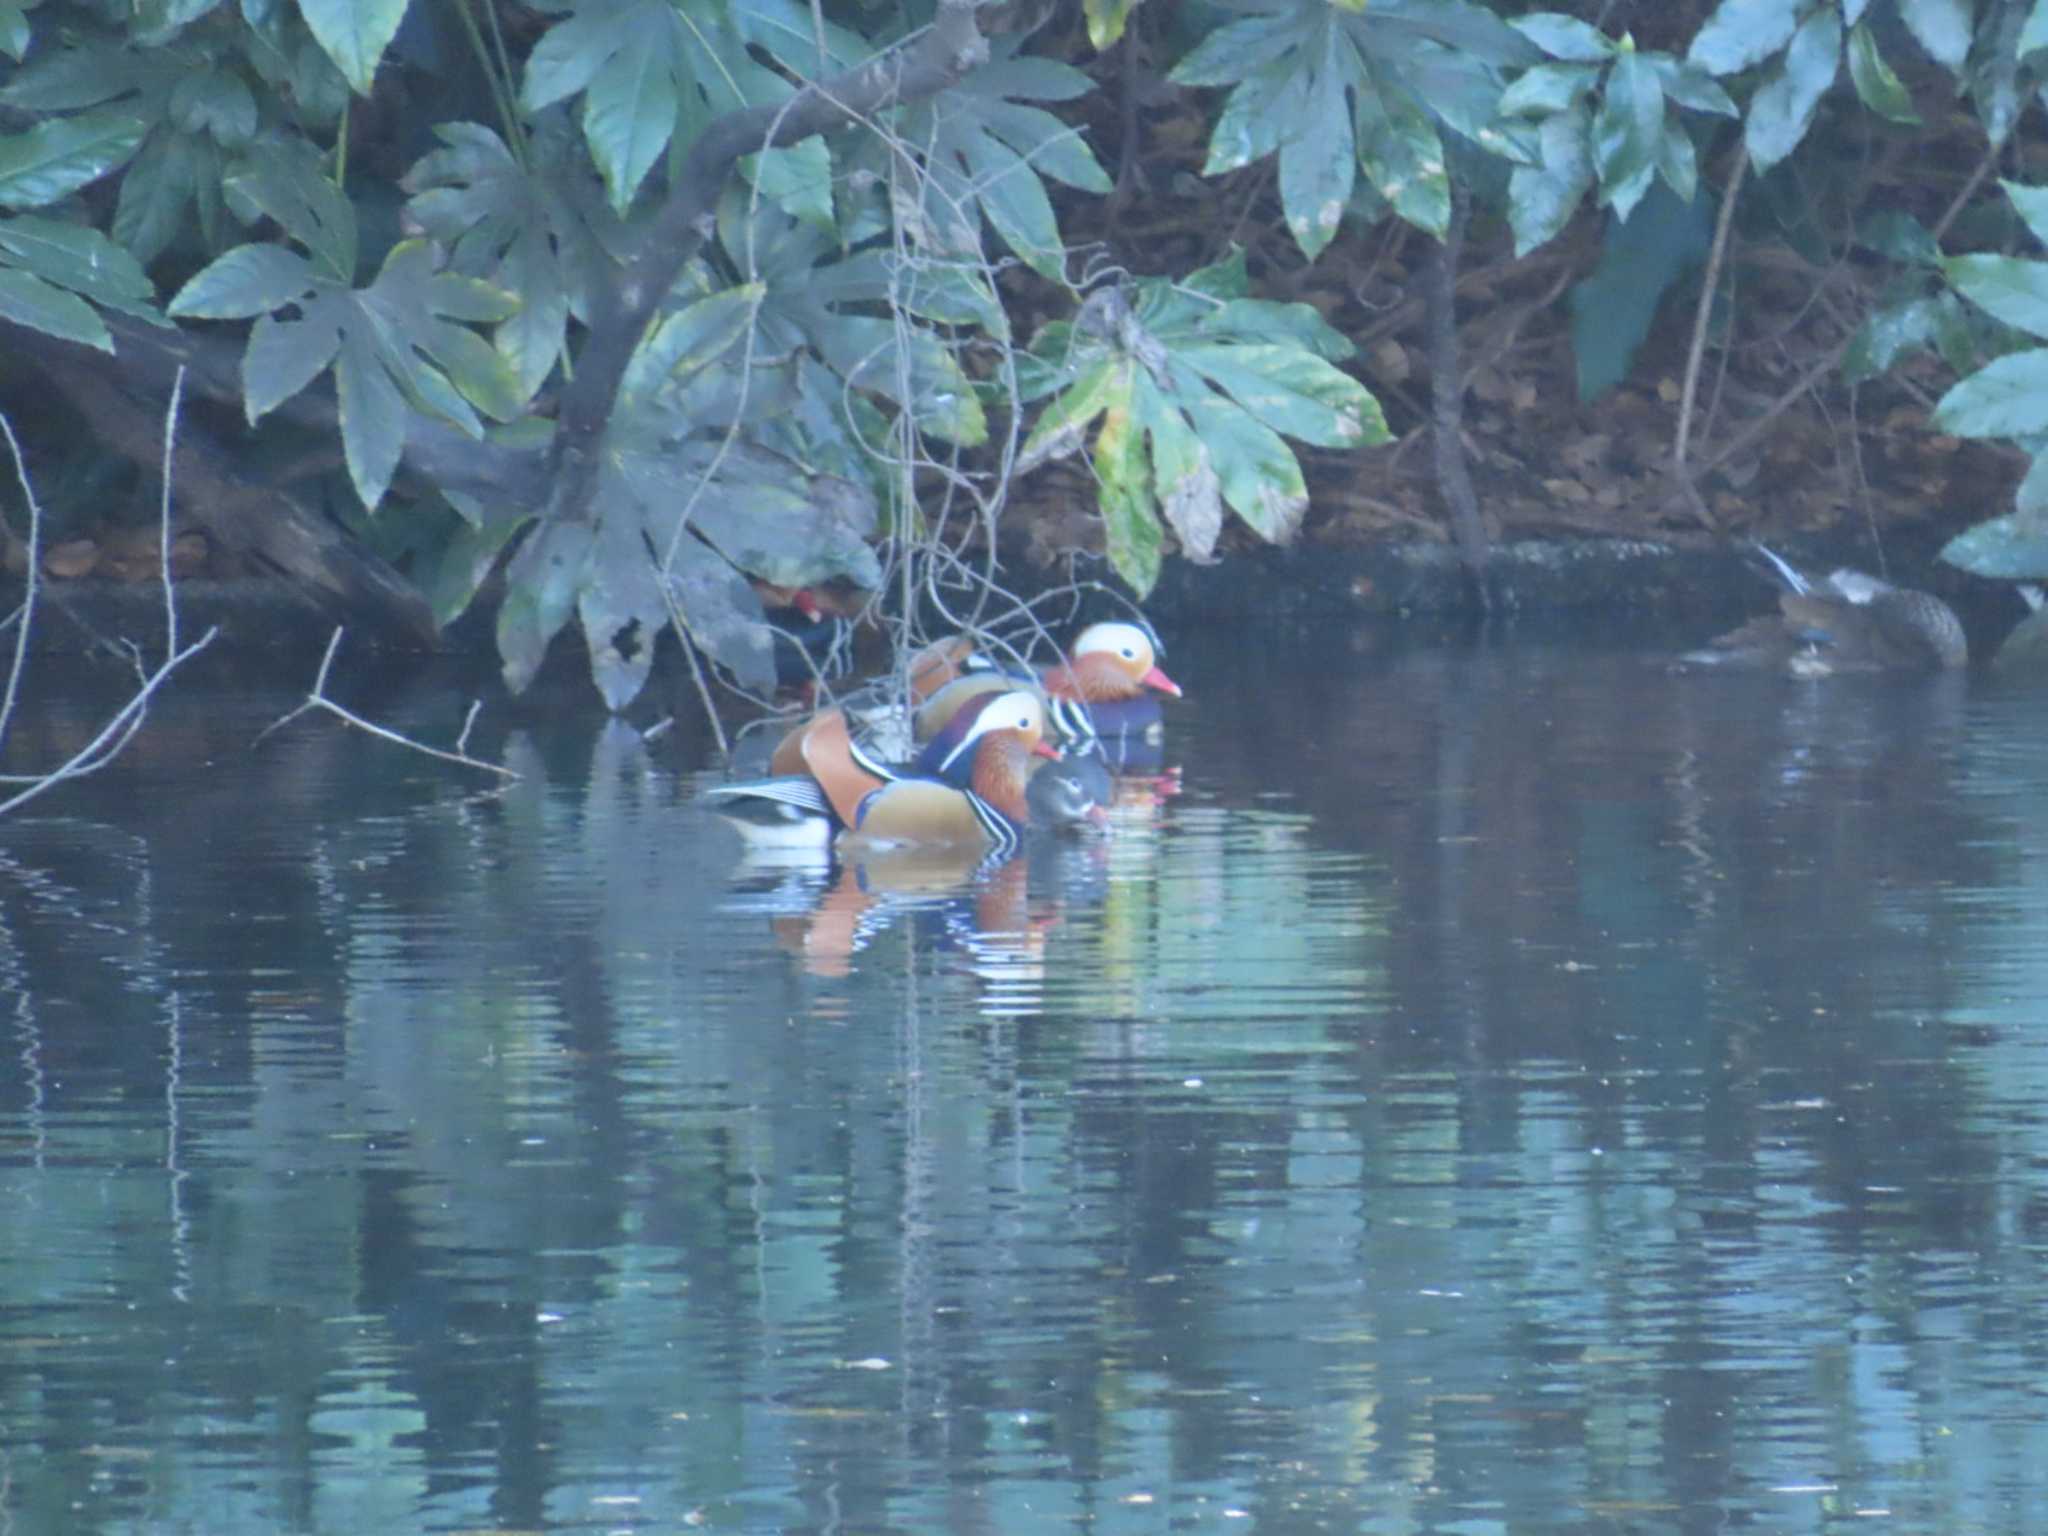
{"points": [[1493, 1087]]}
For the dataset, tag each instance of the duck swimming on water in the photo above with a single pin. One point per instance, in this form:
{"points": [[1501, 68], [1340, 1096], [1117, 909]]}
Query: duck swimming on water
{"points": [[1845, 622]]}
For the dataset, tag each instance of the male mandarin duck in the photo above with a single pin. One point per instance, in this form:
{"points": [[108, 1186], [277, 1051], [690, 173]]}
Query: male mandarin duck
{"points": [[1112, 669], [1108, 687], [1849, 622], [972, 786]]}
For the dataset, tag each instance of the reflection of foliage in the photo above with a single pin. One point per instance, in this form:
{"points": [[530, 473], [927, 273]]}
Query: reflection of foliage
{"points": [[1315, 1129]]}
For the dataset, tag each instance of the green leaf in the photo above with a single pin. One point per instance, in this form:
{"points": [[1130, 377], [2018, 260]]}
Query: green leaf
{"points": [[721, 613], [1565, 37], [2034, 35], [57, 156], [1190, 496], [797, 179], [691, 339], [766, 513], [1897, 234], [1676, 161], [1132, 536], [1106, 21], [1260, 477], [14, 33], [289, 184], [1251, 125], [27, 300], [1403, 157], [1879, 87], [538, 233], [158, 21], [1690, 86], [793, 33], [2032, 205], [354, 34], [284, 356], [169, 175], [1942, 27], [1291, 391], [1627, 130], [216, 103], [318, 91], [1743, 33], [1318, 163], [1239, 50], [2013, 289], [621, 607], [1887, 334], [653, 73], [541, 583], [2008, 397], [1543, 197], [89, 71], [1548, 88], [1060, 429], [1783, 108], [80, 258], [248, 280], [1643, 258], [2012, 548], [987, 149], [372, 416], [464, 564]]}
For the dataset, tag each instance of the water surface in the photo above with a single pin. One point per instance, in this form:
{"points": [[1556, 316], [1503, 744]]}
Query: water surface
{"points": [[1494, 1088]]}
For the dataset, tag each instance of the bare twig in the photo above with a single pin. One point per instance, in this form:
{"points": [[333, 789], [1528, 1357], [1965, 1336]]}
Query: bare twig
{"points": [[120, 729], [27, 612], [1696, 351], [317, 699]]}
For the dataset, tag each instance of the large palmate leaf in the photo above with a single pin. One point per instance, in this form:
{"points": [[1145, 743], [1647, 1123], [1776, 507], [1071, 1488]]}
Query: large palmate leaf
{"points": [[987, 151], [690, 504], [1606, 117], [1335, 89], [536, 229], [860, 315], [403, 343], [197, 102], [652, 74], [1211, 381]]}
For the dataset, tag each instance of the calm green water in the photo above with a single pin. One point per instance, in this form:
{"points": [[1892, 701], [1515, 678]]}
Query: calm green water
{"points": [[1502, 1090]]}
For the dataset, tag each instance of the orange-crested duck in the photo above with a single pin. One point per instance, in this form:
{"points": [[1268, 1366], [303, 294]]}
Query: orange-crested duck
{"points": [[971, 786], [1109, 686], [1111, 669], [1847, 622]]}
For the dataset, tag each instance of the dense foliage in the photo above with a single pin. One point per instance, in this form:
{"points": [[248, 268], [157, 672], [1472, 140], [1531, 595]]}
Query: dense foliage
{"points": [[633, 300]]}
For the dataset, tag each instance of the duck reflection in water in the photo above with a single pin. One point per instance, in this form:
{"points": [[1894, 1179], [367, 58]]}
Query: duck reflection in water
{"points": [[825, 912], [1845, 622]]}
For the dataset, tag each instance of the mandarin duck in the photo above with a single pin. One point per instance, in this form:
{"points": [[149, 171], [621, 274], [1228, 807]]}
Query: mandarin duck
{"points": [[1848, 622], [809, 643], [971, 786], [1112, 670], [1109, 686]]}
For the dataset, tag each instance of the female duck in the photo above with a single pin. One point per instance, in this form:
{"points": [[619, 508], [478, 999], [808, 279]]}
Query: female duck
{"points": [[1850, 622]]}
